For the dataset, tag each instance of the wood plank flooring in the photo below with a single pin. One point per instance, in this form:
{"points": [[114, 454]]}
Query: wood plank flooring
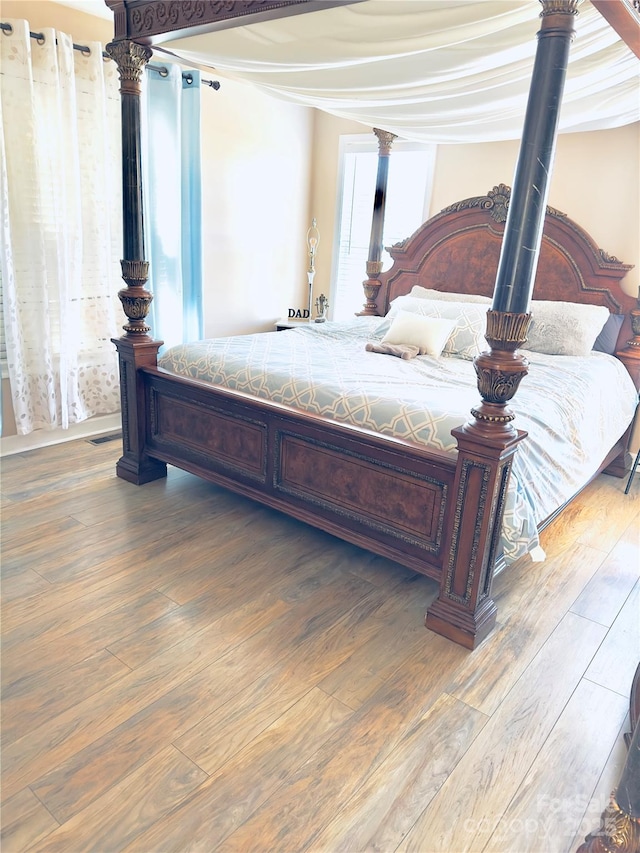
{"points": [[185, 670]]}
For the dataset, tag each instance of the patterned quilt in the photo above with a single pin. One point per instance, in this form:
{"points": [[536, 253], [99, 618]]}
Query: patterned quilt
{"points": [[574, 409]]}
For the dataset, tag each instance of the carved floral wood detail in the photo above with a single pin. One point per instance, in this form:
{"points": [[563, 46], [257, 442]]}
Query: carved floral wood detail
{"points": [[155, 17]]}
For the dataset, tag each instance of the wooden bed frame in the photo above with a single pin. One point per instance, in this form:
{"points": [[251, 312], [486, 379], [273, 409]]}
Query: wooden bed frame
{"points": [[437, 513], [384, 494]]}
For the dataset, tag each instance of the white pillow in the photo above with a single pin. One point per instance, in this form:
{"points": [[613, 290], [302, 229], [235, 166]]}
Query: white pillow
{"points": [[429, 334], [467, 339], [446, 296], [564, 328]]}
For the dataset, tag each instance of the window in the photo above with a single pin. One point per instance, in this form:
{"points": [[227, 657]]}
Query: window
{"points": [[410, 179]]}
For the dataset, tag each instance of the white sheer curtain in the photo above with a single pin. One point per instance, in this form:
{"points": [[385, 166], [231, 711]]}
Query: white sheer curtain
{"points": [[61, 232]]}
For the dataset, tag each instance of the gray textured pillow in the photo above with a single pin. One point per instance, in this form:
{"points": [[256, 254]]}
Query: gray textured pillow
{"points": [[607, 340], [564, 328]]}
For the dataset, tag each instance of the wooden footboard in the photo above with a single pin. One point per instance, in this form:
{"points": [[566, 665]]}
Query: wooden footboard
{"points": [[383, 494]]}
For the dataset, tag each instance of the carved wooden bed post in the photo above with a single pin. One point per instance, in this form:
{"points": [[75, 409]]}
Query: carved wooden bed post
{"points": [[374, 264], [135, 348], [630, 355], [464, 610], [619, 830]]}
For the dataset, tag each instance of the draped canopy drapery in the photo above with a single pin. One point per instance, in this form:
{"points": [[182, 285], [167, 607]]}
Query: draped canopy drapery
{"points": [[429, 70]]}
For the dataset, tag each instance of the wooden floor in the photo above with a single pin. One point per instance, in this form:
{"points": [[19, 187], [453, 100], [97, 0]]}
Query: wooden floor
{"points": [[185, 670]]}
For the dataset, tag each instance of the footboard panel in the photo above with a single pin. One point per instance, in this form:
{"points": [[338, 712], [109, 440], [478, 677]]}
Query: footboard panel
{"points": [[390, 500], [232, 443], [385, 495]]}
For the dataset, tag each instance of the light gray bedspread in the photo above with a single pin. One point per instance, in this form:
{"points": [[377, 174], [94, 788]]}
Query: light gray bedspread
{"points": [[574, 409]]}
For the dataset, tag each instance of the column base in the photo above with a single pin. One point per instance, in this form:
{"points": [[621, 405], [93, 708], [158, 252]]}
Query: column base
{"points": [[464, 627], [141, 472]]}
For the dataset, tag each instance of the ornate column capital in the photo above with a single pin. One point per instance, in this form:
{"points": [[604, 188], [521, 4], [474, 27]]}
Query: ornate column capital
{"points": [[131, 59], [385, 141], [559, 7]]}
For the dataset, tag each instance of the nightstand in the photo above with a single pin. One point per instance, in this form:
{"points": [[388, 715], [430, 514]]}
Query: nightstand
{"points": [[282, 325]]}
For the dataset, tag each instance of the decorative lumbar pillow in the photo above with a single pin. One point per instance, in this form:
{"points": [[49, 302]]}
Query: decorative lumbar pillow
{"points": [[445, 296], [429, 334], [607, 340], [564, 328], [470, 319]]}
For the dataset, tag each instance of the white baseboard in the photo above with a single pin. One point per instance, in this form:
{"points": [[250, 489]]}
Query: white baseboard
{"points": [[12, 444]]}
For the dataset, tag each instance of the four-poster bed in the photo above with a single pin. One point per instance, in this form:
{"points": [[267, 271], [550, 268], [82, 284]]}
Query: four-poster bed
{"points": [[438, 512]]}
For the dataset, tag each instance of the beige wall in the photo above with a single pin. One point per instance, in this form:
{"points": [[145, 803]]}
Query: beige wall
{"points": [[47, 13], [595, 180], [256, 168]]}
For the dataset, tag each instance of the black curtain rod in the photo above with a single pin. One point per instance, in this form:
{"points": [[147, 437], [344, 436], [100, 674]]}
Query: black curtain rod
{"points": [[162, 70], [40, 38], [187, 76]]}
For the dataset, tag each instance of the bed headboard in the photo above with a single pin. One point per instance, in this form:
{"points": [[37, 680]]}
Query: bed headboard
{"points": [[458, 250]]}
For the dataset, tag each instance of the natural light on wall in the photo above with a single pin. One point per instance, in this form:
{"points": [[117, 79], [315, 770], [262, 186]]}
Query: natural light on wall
{"points": [[411, 168]]}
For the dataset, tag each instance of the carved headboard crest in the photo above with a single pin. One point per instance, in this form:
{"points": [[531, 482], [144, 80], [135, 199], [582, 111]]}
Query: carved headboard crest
{"points": [[496, 201]]}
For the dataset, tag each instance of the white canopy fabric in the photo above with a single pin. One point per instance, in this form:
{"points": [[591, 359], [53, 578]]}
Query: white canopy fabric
{"points": [[431, 70]]}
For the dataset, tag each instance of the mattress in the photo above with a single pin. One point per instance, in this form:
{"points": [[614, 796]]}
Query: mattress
{"points": [[573, 408]]}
